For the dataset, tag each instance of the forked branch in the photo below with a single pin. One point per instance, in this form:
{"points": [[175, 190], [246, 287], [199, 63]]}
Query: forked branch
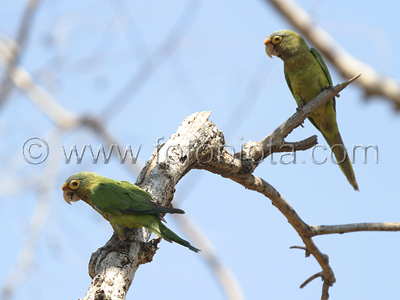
{"points": [[199, 144]]}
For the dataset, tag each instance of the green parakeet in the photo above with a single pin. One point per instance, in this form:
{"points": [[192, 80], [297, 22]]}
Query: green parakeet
{"points": [[122, 203], [307, 75]]}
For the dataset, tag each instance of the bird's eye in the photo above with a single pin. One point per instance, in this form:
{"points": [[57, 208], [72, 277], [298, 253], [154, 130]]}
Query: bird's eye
{"points": [[74, 184], [276, 39]]}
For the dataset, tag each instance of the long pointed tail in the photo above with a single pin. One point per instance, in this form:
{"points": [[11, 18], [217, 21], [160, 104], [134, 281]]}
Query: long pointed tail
{"points": [[167, 234], [342, 157]]}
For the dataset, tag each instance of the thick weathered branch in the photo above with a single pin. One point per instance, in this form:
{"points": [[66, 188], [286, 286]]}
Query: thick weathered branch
{"points": [[113, 272], [347, 65]]}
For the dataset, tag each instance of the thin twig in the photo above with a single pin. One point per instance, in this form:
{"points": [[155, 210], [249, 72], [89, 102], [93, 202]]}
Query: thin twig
{"points": [[301, 248], [298, 247], [346, 228], [319, 274]]}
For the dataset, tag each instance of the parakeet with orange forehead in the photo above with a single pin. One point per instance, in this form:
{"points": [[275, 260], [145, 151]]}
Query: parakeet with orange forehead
{"points": [[307, 75], [123, 204]]}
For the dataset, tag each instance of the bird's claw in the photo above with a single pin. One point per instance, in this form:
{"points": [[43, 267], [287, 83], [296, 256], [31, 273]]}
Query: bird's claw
{"points": [[331, 87], [299, 109]]}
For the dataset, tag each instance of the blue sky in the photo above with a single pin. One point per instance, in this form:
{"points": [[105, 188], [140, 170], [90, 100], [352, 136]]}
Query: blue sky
{"points": [[84, 54]]}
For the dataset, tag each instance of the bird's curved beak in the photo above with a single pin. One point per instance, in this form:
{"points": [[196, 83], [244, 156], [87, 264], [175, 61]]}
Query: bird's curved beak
{"points": [[69, 195], [269, 47]]}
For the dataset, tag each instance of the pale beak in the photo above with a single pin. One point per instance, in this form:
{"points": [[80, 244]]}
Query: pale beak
{"points": [[269, 47], [69, 195]]}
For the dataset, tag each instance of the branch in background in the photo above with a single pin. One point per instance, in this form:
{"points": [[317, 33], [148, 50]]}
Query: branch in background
{"points": [[36, 224], [224, 275], [372, 83], [23, 80], [98, 127], [154, 61], [17, 50]]}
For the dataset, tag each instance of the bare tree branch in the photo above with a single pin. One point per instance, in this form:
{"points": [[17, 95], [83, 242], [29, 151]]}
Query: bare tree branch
{"points": [[16, 52], [346, 228], [347, 65]]}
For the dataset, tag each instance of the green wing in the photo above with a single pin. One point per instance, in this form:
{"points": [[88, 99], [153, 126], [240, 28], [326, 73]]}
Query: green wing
{"points": [[115, 199], [135, 189], [321, 62]]}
